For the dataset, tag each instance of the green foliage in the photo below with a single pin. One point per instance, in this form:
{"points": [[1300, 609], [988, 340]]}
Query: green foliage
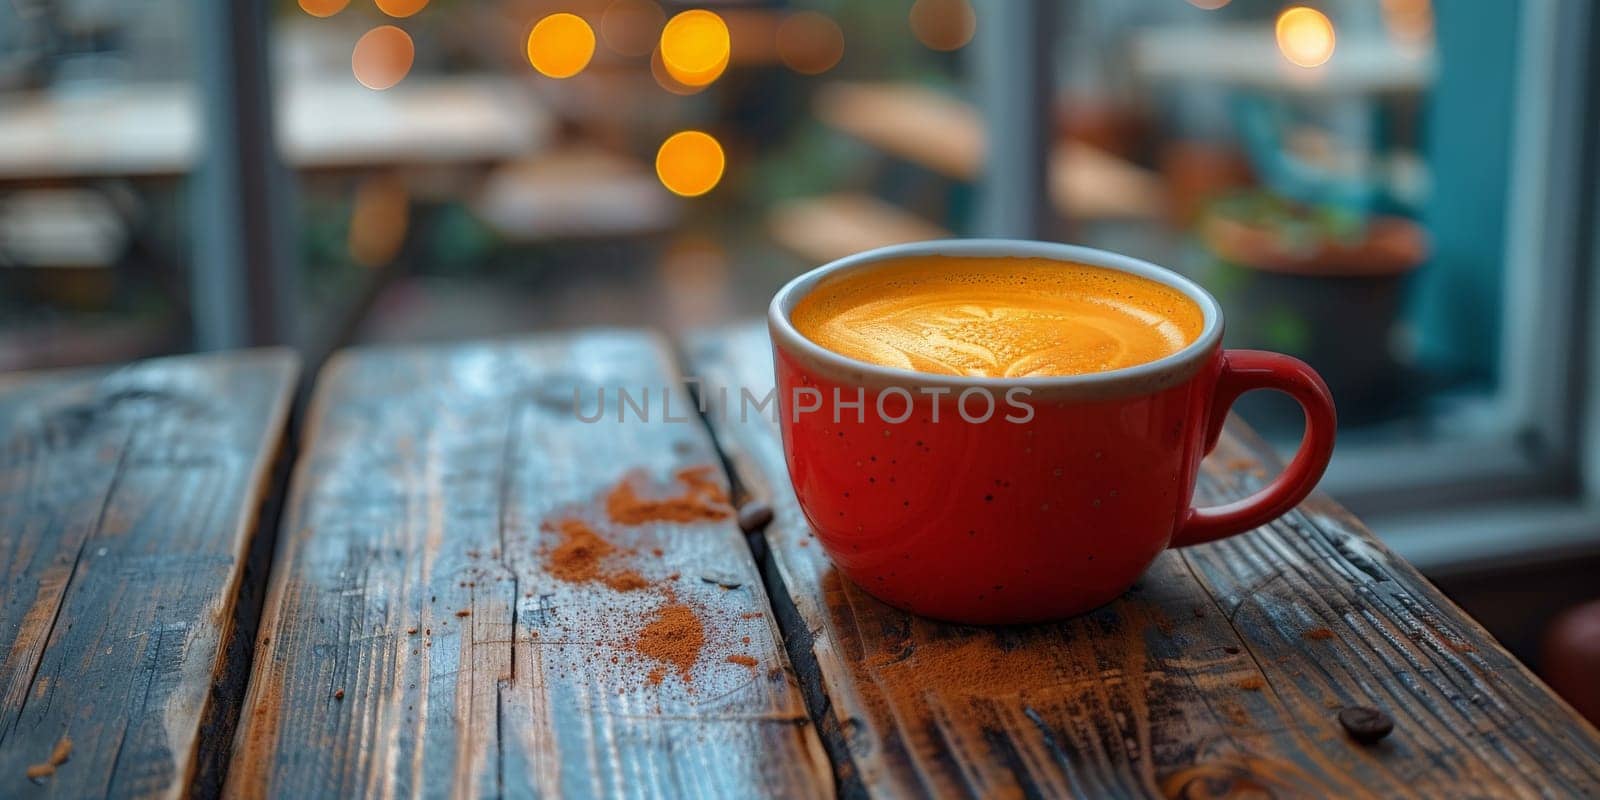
{"points": [[1298, 226]]}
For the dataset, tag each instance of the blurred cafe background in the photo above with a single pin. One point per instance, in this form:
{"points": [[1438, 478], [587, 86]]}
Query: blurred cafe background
{"points": [[1400, 191]]}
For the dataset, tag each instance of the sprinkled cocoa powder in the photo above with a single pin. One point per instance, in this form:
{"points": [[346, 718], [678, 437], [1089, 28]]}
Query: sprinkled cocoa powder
{"points": [[702, 499], [58, 756], [978, 664], [675, 636], [581, 554]]}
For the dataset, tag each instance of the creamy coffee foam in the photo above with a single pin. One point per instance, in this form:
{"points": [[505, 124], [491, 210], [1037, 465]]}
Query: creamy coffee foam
{"points": [[997, 317]]}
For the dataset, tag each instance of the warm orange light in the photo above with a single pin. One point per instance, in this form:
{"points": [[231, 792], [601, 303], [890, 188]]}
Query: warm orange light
{"points": [[690, 163], [943, 24], [400, 8], [631, 27], [810, 43], [664, 79], [382, 57], [695, 47], [561, 45], [1305, 36], [323, 8]]}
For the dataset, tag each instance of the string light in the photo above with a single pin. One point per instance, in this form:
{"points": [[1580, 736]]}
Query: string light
{"points": [[690, 163], [664, 79], [1305, 36], [382, 57], [323, 8], [560, 45], [400, 8], [695, 46]]}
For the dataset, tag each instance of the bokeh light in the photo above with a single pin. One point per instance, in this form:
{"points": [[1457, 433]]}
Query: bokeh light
{"points": [[695, 47], [631, 27], [400, 8], [810, 43], [664, 79], [1305, 36], [1208, 5], [323, 8], [382, 57], [560, 45], [943, 24], [690, 163]]}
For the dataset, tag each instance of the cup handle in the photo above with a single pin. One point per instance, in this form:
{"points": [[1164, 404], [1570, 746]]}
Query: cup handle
{"points": [[1245, 371]]}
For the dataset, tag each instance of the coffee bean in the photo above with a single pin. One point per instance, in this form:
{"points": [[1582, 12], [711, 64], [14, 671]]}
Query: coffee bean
{"points": [[722, 579], [754, 515], [1365, 725]]}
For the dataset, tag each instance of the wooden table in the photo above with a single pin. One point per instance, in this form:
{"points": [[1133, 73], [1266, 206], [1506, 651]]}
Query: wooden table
{"points": [[153, 130], [947, 135], [436, 622]]}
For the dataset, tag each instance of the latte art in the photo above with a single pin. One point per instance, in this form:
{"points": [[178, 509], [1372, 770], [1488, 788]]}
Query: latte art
{"points": [[998, 317]]}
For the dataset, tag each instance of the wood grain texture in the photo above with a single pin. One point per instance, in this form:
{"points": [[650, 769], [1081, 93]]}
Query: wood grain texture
{"points": [[128, 504], [415, 642], [1221, 671]]}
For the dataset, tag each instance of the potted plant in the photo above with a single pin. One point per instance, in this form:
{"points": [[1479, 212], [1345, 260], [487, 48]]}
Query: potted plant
{"points": [[1321, 283]]}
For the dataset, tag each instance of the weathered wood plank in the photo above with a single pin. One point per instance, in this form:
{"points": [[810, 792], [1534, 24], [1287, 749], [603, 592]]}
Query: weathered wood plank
{"points": [[424, 633], [1221, 671], [128, 504]]}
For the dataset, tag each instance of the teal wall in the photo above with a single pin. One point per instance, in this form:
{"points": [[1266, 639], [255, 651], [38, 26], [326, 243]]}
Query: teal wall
{"points": [[1457, 295]]}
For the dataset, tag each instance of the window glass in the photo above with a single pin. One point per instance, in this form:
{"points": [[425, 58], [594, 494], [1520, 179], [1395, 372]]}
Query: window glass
{"points": [[98, 136], [536, 165], [1335, 173]]}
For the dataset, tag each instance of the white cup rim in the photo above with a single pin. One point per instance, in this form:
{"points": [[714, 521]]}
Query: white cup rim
{"points": [[1143, 378]]}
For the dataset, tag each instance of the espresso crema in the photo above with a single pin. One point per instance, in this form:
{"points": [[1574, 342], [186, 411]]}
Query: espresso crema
{"points": [[997, 317]]}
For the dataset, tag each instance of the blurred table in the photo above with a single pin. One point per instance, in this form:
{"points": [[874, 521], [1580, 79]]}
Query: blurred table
{"points": [[1248, 56], [153, 130], [947, 135], [467, 573]]}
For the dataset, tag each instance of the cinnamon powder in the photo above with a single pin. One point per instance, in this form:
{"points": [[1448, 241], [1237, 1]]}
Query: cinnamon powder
{"points": [[973, 665], [581, 555], [675, 636], [702, 499], [58, 756]]}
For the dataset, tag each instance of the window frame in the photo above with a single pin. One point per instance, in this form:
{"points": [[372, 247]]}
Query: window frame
{"points": [[1517, 477]]}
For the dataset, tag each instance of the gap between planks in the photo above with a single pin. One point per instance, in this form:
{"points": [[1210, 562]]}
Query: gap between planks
{"points": [[406, 451], [1248, 593]]}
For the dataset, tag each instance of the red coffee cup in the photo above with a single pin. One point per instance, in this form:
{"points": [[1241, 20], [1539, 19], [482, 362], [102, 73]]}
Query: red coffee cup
{"points": [[1009, 500]]}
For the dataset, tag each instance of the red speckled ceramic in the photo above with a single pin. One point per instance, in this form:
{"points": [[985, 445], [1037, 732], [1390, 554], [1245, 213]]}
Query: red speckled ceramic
{"points": [[1010, 520]]}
